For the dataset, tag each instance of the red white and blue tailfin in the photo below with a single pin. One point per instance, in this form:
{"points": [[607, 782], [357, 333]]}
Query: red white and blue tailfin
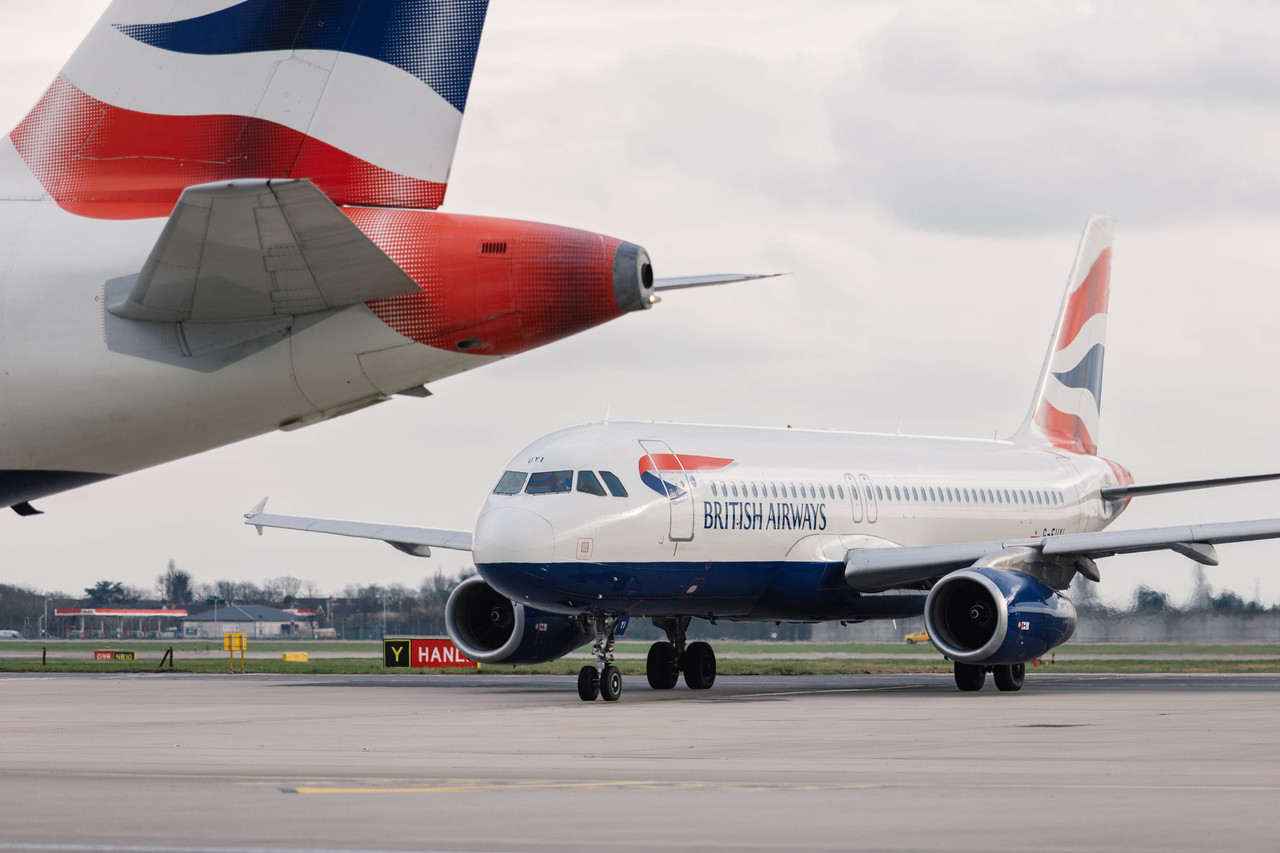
{"points": [[1067, 406], [363, 98]]}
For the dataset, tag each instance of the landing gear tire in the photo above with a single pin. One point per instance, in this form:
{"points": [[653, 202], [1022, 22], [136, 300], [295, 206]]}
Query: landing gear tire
{"points": [[610, 684], [699, 666], [588, 684], [661, 667], [970, 677], [1010, 678]]}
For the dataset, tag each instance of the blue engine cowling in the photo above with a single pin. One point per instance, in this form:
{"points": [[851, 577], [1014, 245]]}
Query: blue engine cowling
{"points": [[490, 628], [995, 616]]}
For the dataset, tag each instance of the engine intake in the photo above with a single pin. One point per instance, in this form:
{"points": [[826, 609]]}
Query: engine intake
{"points": [[490, 628], [995, 616]]}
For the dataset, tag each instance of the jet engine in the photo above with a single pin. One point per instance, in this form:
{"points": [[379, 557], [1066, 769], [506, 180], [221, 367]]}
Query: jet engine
{"points": [[995, 616], [490, 628]]}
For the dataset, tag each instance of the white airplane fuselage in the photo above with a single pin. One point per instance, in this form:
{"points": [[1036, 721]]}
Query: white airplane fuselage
{"points": [[68, 403], [746, 522]]}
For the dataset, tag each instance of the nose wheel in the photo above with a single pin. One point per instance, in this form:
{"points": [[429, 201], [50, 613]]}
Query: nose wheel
{"points": [[604, 679]]}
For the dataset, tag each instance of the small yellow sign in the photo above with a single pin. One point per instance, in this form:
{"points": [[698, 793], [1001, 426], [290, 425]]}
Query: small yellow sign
{"points": [[295, 657], [232, 643]]}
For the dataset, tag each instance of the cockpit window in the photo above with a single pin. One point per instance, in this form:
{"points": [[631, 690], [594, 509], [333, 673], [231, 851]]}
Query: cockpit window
{"points": [[511, 483], [549, 482], [588, 483], [615, 485]]}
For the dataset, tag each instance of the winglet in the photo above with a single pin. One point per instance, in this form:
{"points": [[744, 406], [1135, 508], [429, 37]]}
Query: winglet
{"points": [[257, 510]]}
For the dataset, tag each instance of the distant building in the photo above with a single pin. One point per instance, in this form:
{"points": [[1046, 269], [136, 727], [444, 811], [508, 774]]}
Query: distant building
{"points": [[252, 619]]}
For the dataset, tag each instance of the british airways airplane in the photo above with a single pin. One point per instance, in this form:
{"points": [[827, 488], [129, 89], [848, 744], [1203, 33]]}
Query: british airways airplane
{"points": [[219, 220], [676, 522]]}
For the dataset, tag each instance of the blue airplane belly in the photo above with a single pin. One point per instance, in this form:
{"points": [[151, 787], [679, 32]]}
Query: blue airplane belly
{"points": [[752, 590]]}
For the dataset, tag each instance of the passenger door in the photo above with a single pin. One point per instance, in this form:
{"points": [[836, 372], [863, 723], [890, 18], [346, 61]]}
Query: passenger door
{"points": [[855, 496], [865, 487], [673, 481]]}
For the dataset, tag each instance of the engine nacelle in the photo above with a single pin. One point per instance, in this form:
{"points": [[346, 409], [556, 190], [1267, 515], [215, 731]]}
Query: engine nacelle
{"points": [[995, 616], [490, 628]]}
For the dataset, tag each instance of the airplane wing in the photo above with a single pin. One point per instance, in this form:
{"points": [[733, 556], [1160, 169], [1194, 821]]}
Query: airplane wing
{"points": [[877, 569], [257, 250], [681, 282], [415, 541]]}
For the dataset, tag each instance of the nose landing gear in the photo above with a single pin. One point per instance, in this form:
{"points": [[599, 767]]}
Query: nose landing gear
{"points": [[603, 679]]}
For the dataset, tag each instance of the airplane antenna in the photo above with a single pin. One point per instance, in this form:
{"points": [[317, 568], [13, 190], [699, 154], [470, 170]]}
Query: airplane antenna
{"points": [[606, 413], [898, 431]]}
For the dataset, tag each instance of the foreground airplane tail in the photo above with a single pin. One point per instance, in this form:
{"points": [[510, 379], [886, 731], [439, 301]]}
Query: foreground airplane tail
{"points": [[1066, 409], [364, 99]]}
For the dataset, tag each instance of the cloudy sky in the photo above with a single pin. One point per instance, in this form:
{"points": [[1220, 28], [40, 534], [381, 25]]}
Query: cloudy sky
{"points": [[923, 170]]}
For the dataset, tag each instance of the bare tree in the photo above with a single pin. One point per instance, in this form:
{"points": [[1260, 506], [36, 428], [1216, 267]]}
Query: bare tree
{"points": [[175, 585]]}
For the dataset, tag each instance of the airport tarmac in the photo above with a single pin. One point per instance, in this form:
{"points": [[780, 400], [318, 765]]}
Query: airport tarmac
{"points": [[223, 763]]}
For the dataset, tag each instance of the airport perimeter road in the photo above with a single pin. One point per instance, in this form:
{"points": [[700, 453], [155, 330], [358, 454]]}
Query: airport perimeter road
{"points": [[238, 763]]}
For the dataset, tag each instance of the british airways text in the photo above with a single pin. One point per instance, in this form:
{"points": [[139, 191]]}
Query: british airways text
{"points": [[757, 515]]}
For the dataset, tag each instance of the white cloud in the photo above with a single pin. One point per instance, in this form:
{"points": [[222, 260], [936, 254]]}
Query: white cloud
{"points": [[1020, 118]]}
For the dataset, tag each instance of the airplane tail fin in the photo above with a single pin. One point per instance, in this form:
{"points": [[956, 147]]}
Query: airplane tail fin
{"points": [[363, 99], [1065, 411]]}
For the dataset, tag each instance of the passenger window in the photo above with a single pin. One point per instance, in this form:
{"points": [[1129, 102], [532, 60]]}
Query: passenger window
{"points": [[615, 485], [589, 483], [773, 487], [915, 496], [999, 499], [853, 492], [549, 482], [734, 486], [1007, 499], [1022, 496], [754, 493], [879, 494], [948, 496], [511, 483], [714, 493], [931, 495]]}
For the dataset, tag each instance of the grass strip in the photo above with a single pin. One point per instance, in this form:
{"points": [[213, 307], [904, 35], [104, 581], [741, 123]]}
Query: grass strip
{"points": [[364, 666]]}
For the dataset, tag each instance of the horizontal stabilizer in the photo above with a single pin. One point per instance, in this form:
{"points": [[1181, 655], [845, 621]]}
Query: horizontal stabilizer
{"points": [[258, 250], [707, 280], [1116, 493], [417, 541], [876, 569]]}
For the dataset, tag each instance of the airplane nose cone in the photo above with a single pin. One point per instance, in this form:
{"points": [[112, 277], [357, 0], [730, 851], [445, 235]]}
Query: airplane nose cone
{"points": [[512, 535]]}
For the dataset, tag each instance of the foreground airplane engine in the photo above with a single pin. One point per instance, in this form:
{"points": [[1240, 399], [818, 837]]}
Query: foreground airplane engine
{"points": [[989, 617], [490, 628]]}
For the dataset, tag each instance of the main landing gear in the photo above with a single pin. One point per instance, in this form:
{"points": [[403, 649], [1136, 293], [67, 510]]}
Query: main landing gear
{"points": [[667, 660], [603, 679], [1008, 677]]}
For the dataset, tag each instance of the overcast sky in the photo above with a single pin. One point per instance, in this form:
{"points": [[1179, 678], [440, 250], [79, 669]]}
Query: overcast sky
{"points": [[924, 170]]}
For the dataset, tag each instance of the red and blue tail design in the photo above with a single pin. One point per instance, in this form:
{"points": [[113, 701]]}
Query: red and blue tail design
{"points": [[653, 465], [1067, 407], [364, 98]]}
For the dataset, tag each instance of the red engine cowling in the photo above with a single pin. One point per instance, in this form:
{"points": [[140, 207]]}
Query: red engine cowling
{"points": [[502, 286]]}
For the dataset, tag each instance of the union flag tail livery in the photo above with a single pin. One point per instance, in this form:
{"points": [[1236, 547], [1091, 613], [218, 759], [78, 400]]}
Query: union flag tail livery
{"points": [[219, 221], [363, 99], [981, 538], [1067, 408]]}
